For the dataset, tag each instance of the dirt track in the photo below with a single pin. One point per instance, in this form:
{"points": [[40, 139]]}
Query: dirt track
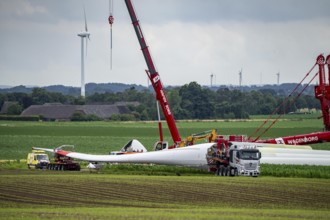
{"points": [[94, 190]]}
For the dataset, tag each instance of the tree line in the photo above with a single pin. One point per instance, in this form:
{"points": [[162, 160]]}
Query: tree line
{"points": [[191, 101]]}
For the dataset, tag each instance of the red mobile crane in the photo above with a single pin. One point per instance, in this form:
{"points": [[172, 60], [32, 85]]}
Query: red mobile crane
{"points": [[322, 92], [154, 77]]}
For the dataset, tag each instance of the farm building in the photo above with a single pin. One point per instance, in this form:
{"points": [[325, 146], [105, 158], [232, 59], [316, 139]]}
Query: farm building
{"points": [[58, 111]]}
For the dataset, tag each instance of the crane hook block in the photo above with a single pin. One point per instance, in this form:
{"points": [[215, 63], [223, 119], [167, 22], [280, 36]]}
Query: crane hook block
{"points": [[111, 19]]}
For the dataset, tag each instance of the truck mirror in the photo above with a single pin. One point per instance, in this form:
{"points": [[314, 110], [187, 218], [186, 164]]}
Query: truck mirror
{"points": [[259, 155]]}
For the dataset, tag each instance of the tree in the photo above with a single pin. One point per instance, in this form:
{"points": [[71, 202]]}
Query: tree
{"points": [[196, 100], [40, 96], [14, 109], [2, 99], [175, 102]]}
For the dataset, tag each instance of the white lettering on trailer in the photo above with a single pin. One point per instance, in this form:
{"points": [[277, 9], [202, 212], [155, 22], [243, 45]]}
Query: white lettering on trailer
{"points": [[303, 140]]}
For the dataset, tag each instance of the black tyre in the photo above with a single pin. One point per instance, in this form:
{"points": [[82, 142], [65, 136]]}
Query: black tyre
{"points": [[222, 170], [231, 171], [226, 171]]}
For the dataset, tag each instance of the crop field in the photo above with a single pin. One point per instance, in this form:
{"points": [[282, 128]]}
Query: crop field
{"points": [[77, 195], [141, 192]]}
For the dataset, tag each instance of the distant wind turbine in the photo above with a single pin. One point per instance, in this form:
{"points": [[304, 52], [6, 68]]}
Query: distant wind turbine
{"points": [[83, 35]]}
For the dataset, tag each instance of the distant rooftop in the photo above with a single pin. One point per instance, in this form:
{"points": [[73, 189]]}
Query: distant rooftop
{"points": [[58, 111]]}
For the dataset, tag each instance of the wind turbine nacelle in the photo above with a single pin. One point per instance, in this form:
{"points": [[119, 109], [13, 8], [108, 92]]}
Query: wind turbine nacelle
{"points": [[84, 34]]}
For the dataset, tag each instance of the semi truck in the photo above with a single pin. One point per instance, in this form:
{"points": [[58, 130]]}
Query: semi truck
{"points": [[234, 159]]}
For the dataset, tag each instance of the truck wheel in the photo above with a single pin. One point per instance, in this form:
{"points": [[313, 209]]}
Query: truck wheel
{"points": [[226, 171], [29, 166], [231, 172], [235, 173], [222, 171]]}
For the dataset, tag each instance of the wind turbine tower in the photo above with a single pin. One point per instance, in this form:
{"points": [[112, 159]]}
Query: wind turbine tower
{"points": [[84, 35], [278, 78]]}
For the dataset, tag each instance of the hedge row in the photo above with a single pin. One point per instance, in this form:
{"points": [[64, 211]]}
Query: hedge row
{"points": [[20, 118]]}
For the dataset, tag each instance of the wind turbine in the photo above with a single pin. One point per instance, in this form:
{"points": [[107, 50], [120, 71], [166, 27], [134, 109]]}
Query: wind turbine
{"points": [[83, 35]]}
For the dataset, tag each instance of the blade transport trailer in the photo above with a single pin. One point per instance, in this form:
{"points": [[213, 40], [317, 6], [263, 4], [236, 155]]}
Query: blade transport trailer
{"points": [[39, 160], [63, 162]]}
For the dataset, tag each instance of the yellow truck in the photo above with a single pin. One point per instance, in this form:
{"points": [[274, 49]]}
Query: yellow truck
{"points": [[37, 159]]}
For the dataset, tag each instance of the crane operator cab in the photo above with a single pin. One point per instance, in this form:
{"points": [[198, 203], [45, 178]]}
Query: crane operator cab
{"points": [[160, 145]]}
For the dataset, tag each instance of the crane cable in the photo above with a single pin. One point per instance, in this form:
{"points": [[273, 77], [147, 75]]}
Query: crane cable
{"points": [[287, 107], [110, 19], [284, 101]]}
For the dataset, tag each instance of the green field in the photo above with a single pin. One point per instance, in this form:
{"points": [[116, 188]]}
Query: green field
{"points": [[143, 192], [17, 138]]}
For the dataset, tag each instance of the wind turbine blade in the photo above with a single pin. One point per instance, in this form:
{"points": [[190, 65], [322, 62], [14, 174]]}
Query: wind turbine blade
{"points": [[86, 45], [86, 29]]}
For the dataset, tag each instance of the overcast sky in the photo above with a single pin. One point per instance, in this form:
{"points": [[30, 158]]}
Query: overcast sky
{"points": [[188, 39]]}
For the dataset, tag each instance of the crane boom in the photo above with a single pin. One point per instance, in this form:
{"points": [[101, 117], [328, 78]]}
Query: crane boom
{"points": [[322, 91], [154, 76]]}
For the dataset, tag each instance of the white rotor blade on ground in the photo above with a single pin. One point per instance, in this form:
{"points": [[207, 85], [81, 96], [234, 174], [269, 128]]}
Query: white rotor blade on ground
{"points": [[294, 156], [196, 156]]}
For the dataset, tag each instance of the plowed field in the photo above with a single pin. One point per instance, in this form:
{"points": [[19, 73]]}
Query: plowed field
{"points": [[71, 191]]}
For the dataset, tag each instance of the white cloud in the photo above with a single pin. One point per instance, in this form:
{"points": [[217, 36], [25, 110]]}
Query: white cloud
{"points": [[21, 8], [34, 51]]}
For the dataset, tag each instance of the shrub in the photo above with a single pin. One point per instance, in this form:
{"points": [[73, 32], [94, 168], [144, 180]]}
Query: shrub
{"points": [[123, 117], [14, 109], [78, 116], [20, 118]]}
